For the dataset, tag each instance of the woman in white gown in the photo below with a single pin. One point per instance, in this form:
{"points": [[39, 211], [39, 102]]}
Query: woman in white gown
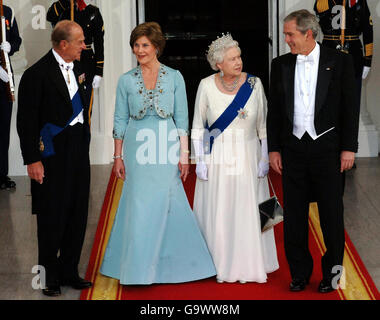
{"points": [[232, 171]]}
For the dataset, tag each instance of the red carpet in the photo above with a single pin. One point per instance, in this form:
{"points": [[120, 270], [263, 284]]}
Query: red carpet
{"points": [[358, 283]]}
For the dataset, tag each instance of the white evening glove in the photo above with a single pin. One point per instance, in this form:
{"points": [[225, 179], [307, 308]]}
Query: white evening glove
{"points": [[201, 168], [6, 47], [96, 82], [365, 72], [263, 167], [4, 75]]}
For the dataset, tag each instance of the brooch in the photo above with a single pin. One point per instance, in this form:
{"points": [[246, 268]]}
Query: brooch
{"points": [[243, 114], [252, 82]]}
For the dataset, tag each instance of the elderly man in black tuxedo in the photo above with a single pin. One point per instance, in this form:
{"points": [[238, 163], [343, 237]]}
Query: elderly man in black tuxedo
{"points": [[312, 128], [52, 123]]}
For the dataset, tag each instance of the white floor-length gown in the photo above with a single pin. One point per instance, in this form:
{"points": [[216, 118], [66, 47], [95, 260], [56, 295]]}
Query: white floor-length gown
{"points": [[226, 205]]}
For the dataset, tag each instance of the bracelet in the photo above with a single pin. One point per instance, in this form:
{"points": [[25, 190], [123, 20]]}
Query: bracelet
{"points": [[117, 157], [185, 151]]}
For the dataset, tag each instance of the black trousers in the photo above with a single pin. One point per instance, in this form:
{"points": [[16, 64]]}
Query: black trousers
{"points": [[5, 127], [61, 204], [312, 167]]}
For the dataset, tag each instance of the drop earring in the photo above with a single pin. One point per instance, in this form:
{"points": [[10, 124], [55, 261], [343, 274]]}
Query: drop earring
{"points": [[221, 73]]}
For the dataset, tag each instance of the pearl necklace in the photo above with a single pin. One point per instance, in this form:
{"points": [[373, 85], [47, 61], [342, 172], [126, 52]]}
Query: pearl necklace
{"points": [[230, 87]]}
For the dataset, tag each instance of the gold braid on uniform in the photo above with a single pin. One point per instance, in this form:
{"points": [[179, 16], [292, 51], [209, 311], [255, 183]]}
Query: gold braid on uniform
{"points": [[61, 5], [369, 50], [322, 5], [55, 9], [100, 64]]}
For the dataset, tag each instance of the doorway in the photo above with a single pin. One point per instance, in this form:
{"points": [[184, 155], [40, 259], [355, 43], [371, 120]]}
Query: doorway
{"points": [[190, 26]]}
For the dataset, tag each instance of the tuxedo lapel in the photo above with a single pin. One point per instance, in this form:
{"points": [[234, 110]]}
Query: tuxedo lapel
{"points": [[288, 70], [325, 70], [56, 77]]}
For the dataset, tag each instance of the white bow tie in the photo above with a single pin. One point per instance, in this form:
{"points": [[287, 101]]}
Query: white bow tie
{"points": [[302, 58]]}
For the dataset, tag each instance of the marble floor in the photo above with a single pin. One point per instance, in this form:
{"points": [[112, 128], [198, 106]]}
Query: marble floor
{"points": [[18, 242]]}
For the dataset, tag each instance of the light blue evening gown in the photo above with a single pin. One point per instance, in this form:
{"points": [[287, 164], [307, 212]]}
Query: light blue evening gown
{"points": [[155, 237]]}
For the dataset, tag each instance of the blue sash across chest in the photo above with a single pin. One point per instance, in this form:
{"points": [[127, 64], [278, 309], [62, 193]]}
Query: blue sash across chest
{"points": [[49, 130], [228, 115]]}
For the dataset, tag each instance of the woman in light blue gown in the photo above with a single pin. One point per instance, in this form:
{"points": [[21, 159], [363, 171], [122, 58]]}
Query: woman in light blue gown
{"points": [[155, 237]]}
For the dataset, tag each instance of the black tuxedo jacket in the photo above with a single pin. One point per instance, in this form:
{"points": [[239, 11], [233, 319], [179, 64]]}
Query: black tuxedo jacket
{"points": [[44, 98], [335, 100]]}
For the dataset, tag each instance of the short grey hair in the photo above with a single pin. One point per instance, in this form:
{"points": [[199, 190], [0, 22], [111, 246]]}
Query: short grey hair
{"points": [[63, 31], [305, 20], [218, 49]]}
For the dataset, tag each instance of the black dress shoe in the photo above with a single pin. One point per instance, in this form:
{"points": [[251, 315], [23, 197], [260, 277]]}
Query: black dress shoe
{"points": [[325, 286], [52, 291], [77, 283], [298, 284]]}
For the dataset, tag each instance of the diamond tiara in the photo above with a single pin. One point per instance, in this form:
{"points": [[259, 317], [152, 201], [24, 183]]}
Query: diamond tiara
{"points": [[219, 43]]}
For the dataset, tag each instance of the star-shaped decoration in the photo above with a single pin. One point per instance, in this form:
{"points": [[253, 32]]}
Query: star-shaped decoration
{"points": [[243, 114]]}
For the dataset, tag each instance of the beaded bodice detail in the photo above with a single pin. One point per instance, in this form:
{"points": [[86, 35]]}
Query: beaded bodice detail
{"points": [[151, 98]]}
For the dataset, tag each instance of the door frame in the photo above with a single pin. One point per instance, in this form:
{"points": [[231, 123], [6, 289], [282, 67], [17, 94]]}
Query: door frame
{"points": [[274, 9]]}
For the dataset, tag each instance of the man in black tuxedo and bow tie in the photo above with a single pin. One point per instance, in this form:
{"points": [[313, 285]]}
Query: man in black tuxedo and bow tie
{"points": [[312, 128], [52, 123]]}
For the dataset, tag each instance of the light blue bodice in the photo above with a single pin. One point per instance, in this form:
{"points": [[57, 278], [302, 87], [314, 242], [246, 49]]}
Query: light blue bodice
{"points": [[167, 99]]}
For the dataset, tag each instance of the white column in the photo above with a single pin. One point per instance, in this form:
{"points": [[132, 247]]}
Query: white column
{"points": [[368, 134], [372, 92], [119, 19], [19, 63]]}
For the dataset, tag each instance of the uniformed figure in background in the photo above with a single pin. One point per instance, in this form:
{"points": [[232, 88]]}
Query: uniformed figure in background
{"points": [[357, 20], [10, 45], [342, 23], [91, 21]]}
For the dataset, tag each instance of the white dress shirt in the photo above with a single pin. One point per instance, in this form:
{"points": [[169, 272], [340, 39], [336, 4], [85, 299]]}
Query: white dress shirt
{"points": [[305, 84], [71, 82]]}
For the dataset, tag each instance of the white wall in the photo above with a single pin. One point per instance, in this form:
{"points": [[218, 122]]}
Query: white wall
{"points": [[120, 18], [370, 87], [35, 44], [372, 83]]}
